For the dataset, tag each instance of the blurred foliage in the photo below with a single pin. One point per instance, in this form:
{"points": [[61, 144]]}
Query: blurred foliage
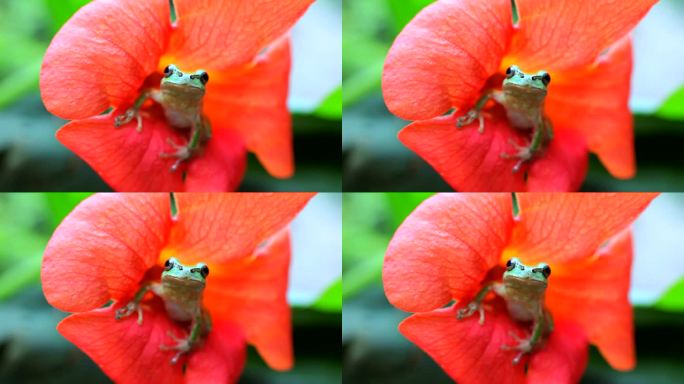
{"points": [[374, 160], [31, 159], [375, 352]]}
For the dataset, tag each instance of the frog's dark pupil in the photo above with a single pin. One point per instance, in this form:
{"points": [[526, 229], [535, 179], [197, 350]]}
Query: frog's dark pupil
{"points": [[204, 78], [547, 271], [167, 71], [168, 265], [510, 265], [546, 79], [205, 271]]}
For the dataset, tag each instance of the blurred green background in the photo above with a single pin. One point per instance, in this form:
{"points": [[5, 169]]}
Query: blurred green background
{"points": [[31, 159], [32, 351], [375, 351], [374, 160]]}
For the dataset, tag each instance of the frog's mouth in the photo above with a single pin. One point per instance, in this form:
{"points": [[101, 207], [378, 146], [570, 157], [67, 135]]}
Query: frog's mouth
{"points": [[187, 89], [532, 283], [189, 283], [524, 89]]}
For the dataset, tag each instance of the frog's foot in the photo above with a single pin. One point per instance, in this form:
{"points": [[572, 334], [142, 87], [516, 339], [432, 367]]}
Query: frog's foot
{"points": [[182, 153], [524, 346], [127, 310], [127, 116], [183, 345], [469, 117], [523, 154], [468, 311]]}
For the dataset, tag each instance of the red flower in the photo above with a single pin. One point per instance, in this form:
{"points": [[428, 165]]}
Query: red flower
{"points": [[454, 50], [453, 243], [109, 51], [112, 243]]}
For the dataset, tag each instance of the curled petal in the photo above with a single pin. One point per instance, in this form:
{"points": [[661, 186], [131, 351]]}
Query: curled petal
{"points": [[599, 93], [251, 292], [444, 249], [221, 357], [102, 55], [125, 351], [562, 358], [560, 228], [217, 228], [467, 351], [126, 159], [252, 101], [221, 165], [564, 34], [598, 300], [444, 56], [103, 248], [206, 27]]}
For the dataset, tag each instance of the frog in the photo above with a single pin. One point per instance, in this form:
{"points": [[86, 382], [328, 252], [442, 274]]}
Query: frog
{"points": [[522, 96], [181, 288], [181, 95], [523, 288]]}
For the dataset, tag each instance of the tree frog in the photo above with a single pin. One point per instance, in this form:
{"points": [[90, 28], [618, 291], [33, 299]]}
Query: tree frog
{"points": [[523, 288], [522, 95], [181, 95], [181, 288]]}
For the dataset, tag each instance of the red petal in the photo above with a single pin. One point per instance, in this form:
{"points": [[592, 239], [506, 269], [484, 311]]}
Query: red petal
{"points": [[562, 34], [221, 166], [125, 351], [126, 159], [252, 293], [470, 161], [593, 101], [444, 56], [103, 248], [102, 55], [560, 228], [598, 300], [562, 167], [217, 228], [467, 351], [253, 102], [562, 358], [221, 358], [444, 249], [218, 34]]}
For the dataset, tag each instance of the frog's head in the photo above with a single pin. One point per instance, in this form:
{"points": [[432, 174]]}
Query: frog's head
{"points": [[194, 276], [519, 80], [175, 79], [519, 272]]}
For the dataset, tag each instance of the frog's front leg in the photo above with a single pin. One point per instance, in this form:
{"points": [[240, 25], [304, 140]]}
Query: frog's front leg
{"points": [[184, 345], [525, 346], [541, 133], [134, 110], [199, 133], [476, 303], [476, 111], [134, 304]]}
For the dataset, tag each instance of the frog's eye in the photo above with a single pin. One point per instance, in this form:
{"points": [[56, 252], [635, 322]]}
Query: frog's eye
{"points": [[204, 271], [204, 77], [167, 71], [510, 72], [168, 265], [510, 264], [546, 79], [546, 271]]}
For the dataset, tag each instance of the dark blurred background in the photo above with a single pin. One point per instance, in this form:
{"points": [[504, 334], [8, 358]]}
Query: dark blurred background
{"points": [[375, 351], [375, 160], [31, 159], [32, 351]]}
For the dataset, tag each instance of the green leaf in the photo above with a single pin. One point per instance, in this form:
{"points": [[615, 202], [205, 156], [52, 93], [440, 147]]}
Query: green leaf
{"points": [[62, 10], [673, 107], [60, 204], [331, 107], [19, 275], [673, 299], [362, 83], [331, 299], [404, 203], [404, 10], [21, 82]]}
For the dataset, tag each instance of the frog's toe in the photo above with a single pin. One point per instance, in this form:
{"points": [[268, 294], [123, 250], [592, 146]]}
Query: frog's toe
{"points": [[181, 153], [182, 346]]}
